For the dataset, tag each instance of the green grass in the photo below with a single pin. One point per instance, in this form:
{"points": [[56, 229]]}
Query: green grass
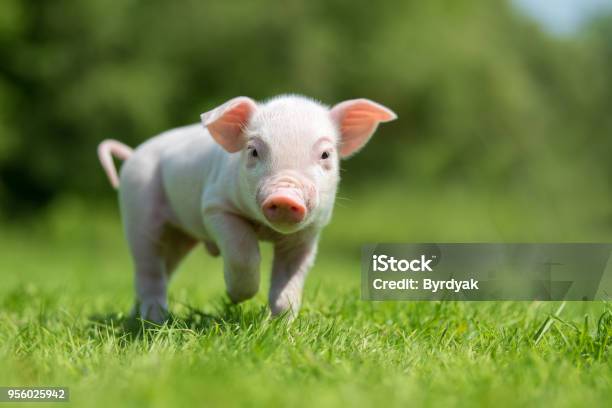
{"points": [[67, 285]]}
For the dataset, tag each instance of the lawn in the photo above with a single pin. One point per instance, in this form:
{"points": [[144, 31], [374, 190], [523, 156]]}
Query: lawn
{"points": [[67, 286]]}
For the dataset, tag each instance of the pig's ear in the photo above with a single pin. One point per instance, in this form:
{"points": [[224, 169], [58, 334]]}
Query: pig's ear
{"points": [[357, 120], [226, 123]]}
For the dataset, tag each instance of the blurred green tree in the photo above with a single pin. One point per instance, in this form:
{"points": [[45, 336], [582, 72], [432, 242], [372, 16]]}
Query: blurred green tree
{"points": [[485, 98]]}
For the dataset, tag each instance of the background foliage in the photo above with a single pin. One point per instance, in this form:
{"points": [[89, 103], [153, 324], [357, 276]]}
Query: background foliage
{"points": [[486, 100]]}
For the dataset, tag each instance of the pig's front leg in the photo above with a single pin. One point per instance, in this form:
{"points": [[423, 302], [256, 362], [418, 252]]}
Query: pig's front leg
{"points": [[239, 247], [292, 261]]}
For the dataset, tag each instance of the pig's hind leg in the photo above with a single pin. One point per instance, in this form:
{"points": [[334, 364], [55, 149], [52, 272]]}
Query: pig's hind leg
{"points": [[156, 247], [154, 261]]}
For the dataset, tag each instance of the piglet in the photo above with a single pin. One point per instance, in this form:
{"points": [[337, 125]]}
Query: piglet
{"points": [[251, 171]]}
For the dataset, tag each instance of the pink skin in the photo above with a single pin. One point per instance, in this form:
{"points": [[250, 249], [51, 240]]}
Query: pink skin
{"points": [[106, 150], [282, 208], [255, 171]]}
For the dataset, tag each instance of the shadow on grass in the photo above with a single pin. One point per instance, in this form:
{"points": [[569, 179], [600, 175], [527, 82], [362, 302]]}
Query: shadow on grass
{"points": [[226, 317]]}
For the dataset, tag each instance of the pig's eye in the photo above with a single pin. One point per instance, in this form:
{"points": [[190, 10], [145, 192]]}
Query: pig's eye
{"points": [[254, 153], [325, 155]]}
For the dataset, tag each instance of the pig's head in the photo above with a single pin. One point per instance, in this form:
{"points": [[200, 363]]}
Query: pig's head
{"points": [[289, 150]]}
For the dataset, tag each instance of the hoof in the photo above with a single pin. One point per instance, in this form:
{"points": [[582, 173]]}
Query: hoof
{"points": [[151, 311]]}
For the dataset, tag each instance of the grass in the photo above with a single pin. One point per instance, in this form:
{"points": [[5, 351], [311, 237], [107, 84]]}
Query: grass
{"points": [[67, 285]]}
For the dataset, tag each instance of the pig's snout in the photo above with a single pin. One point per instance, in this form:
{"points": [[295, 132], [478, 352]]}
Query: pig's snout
{"points": [[284, 209], [287, 200]]}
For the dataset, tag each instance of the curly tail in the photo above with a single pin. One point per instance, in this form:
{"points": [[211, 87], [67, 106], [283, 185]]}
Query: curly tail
{"points": [[106, 150]]}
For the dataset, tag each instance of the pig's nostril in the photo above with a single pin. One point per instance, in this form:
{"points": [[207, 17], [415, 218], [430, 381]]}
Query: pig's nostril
{"points": [[273, 207]]}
